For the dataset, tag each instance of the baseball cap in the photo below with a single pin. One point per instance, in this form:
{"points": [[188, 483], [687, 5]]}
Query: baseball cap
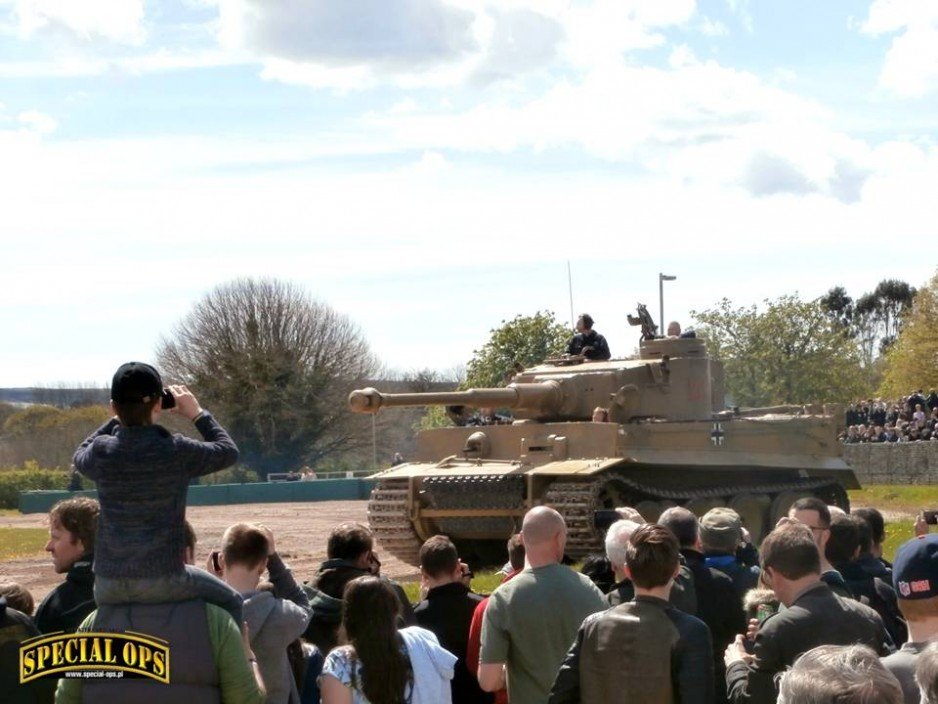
{"points": [[136, 382], [721, 529], [915, 569]]}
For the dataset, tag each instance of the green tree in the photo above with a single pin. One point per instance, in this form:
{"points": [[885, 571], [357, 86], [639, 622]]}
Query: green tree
{"points": [[524, 340], [48, 435], [793, 351], [276, 366], [912, 362]]}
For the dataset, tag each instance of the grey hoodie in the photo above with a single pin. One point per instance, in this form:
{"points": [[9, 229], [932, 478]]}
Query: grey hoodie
{"points": [[275, 620]]}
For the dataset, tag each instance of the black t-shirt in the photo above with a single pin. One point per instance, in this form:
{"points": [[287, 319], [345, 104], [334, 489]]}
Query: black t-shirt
{"points": [[599, 349]]}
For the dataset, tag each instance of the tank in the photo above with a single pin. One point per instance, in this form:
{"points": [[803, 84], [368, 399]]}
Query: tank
{"points": [[669, 440]]}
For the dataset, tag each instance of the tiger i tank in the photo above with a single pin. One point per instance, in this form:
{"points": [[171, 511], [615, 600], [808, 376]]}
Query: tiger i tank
{"points": [[669, 440]]}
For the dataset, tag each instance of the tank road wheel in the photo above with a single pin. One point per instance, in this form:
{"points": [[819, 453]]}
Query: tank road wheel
{"points": [[651, 510], [783, 502], [753, 509], [701, 505], [390, 521]]}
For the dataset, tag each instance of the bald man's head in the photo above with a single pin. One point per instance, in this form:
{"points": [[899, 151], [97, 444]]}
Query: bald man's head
{"points": [[541, 524], [682, 523]]}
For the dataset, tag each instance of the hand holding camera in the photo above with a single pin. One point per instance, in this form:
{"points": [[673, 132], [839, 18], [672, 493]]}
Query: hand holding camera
{"points": [[183, 401]]}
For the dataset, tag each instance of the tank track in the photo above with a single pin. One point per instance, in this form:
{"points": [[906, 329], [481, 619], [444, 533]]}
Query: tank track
{"points": [[390, 520], [491, 491], [577, 502]]}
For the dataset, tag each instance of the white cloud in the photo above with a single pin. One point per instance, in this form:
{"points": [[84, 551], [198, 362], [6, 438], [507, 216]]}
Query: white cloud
{"points": [[910, 68], [116, 20], [348, 32], [38, 122], [696, 120], [521, 40], [713, 28], [740, 8], [178, 203]]}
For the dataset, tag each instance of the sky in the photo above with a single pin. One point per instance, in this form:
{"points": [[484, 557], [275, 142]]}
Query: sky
{"points": [[431, 168]]}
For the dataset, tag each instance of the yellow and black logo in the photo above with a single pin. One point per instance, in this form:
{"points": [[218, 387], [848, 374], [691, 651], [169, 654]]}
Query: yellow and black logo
{"points": [[95, 655]]}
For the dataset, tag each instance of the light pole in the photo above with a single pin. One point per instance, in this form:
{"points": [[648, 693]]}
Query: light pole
{"points": [[661, 279]]}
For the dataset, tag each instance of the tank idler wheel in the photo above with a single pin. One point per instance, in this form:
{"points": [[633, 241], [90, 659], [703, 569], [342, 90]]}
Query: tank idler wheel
{"points": [[753, 509]]}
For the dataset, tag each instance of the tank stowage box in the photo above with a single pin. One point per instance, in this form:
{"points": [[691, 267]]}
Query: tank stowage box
{"points": [[668, 441]]}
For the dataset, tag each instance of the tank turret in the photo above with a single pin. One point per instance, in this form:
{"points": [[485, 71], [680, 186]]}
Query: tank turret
{"points": [[671, 380]]}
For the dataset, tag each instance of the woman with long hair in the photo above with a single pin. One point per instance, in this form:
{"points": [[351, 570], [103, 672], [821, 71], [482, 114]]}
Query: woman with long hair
{"points": [[381, 664]]}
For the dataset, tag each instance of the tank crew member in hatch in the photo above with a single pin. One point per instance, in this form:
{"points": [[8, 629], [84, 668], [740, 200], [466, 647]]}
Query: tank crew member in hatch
{"points": [[587, 341]]}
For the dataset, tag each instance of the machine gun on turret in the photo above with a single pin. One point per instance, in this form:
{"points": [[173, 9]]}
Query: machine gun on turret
{"points": [[649, 329]]}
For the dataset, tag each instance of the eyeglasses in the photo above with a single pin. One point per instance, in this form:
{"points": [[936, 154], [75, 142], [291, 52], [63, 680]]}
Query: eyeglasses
{"points": [[814, 528]]}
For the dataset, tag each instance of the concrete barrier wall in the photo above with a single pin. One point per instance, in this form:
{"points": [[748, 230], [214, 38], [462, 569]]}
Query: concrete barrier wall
{"points": [[222, 494], [894, 462]]}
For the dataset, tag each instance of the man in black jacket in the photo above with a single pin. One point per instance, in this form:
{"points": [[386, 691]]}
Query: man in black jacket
{"points": [[718, 603], [587, 341], [447, 611], [814, 616], [350, 554], [645, 650], [851, 538], [72, 526]]}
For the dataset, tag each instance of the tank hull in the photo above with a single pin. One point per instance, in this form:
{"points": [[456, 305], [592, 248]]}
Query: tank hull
{"points": [[758, 466]]}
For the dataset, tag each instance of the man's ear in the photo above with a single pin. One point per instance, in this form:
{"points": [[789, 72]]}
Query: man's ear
{"points": [[627, 572], [677, 571]]}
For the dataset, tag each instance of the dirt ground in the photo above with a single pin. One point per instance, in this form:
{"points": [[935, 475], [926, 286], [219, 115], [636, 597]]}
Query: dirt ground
{"points": [[300, 532]]}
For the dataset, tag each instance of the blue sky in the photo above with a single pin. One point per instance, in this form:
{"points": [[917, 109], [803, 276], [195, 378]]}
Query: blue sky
{"points": [[429, 167]]}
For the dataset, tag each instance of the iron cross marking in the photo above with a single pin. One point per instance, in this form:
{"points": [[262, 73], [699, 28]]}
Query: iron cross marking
{"points": [[717, 435]]}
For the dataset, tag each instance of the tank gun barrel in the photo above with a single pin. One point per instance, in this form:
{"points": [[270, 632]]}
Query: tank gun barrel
{"points": [[540, 395]]}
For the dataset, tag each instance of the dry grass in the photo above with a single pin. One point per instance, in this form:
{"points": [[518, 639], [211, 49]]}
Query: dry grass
{"points": [[22, 542]]}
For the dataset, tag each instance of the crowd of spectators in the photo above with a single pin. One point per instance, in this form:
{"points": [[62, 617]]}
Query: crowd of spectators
{"points": [[679, 610], [692, 613], [909, 419]]}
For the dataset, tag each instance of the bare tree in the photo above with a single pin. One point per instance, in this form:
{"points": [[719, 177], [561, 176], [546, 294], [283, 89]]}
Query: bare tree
{"points": [[276, 366]]}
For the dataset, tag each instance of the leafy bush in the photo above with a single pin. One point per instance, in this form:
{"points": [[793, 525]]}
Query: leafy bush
{"points": [[27, 478], [233, 475]]}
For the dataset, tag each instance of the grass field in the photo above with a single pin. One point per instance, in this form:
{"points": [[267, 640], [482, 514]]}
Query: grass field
{"points": [[902, 499], [20, 542]]}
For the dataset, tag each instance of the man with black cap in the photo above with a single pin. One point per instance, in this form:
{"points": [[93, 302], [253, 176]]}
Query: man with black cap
{"points": [[915, 577], [142, 474], [587, 341]]}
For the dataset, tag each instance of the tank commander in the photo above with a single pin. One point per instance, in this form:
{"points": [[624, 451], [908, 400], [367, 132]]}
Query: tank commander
{"points": [[674, 330], [588, 342], [600, 415]]}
